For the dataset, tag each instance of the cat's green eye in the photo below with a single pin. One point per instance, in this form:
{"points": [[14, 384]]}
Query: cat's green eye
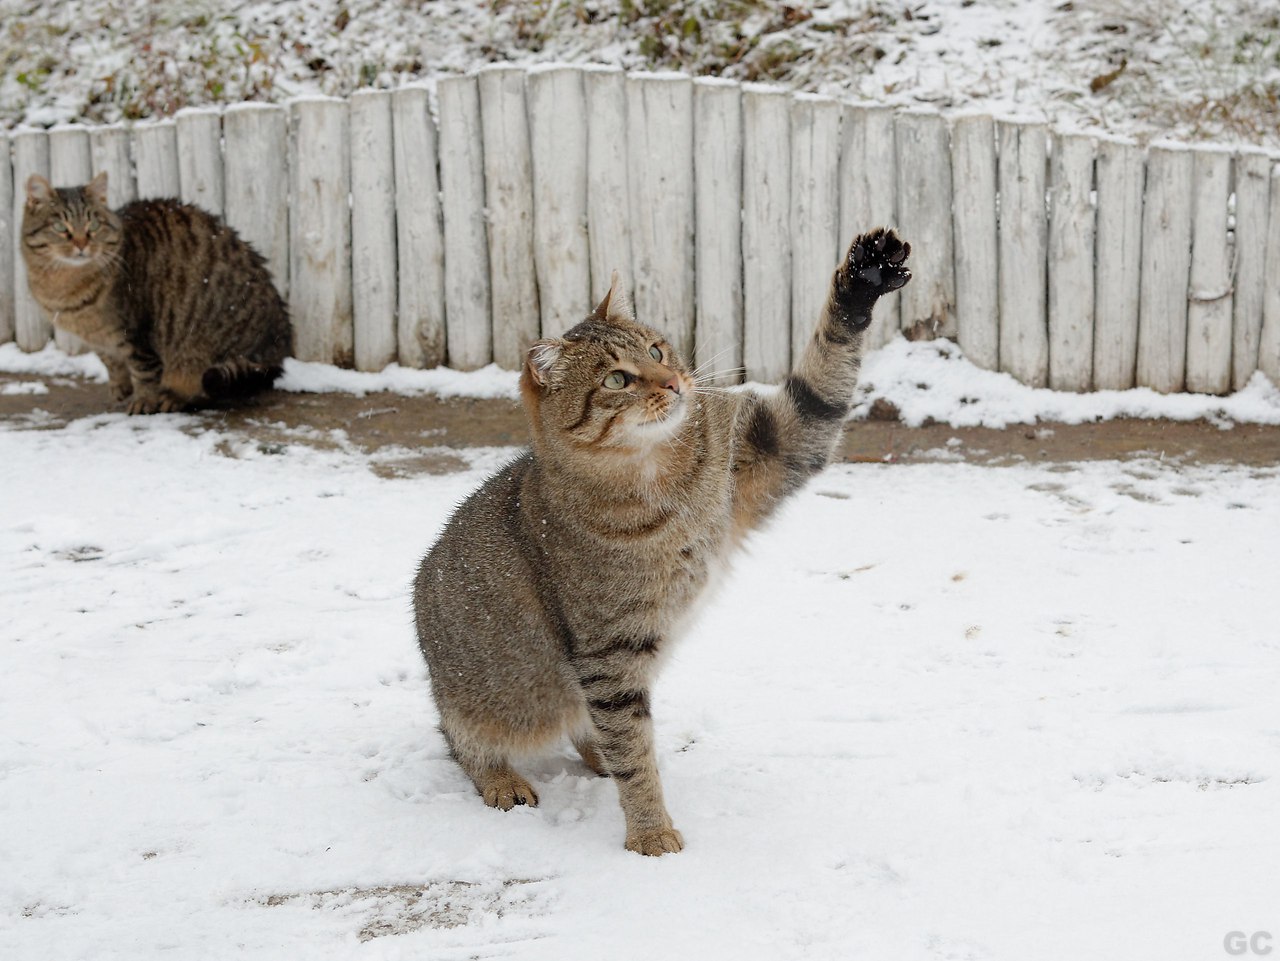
{"points": [[61, 228], [93, 224], [616, 380], [656, 353]]}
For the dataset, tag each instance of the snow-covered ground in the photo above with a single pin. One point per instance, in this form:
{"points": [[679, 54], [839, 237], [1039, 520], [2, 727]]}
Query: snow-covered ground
{"points": [[1152, 68], [939, 711]]}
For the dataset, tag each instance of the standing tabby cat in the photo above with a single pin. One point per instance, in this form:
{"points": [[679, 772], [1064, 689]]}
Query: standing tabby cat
{"points": [[178, 307], [554, 591]]}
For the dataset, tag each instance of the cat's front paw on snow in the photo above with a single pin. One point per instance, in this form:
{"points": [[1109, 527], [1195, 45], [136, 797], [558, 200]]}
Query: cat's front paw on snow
{"points": [[657, 842], [874, 266]]}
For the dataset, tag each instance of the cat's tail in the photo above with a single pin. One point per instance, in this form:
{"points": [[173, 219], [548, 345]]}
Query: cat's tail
{"points": [[240, 377]]}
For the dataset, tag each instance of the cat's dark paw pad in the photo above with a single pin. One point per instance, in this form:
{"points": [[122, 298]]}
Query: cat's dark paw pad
{"points": [[655, 843], [505, 791], [875, 266]]}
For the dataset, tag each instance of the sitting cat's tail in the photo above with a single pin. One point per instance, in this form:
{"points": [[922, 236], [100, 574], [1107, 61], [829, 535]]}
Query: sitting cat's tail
{"points": [[240, 377]]}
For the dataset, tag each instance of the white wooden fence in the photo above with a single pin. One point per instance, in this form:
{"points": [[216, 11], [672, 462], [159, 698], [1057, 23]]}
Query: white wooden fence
{"points": [[459, 236]]}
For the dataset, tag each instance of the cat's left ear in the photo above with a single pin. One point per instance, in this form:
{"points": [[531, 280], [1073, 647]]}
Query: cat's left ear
{"points": [[616, 307], [541, 358], [39, 190], [96, 189]]}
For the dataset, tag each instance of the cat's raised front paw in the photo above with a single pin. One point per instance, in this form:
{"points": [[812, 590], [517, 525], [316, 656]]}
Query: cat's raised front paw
{"points": [[874, 266], [654, 843]]}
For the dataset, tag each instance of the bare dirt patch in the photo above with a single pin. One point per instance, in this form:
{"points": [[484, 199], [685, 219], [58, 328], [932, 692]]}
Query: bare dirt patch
{"points": [[424, 432]]}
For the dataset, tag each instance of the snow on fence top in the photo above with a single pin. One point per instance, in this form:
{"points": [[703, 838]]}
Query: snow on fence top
{"points": [[1068, 260]]}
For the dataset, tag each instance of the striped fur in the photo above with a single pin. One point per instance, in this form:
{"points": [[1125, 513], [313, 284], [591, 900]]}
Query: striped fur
{"points": [[547, 604], [179, 308]]}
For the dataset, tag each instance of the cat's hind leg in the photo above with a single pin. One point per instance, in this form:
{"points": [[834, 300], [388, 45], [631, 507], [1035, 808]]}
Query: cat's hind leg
{"points": [[489, 768], [589, 751], [181, 387]]}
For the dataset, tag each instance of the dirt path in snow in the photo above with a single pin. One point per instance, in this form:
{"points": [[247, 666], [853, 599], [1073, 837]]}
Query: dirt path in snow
{"points": [[425, 429]]}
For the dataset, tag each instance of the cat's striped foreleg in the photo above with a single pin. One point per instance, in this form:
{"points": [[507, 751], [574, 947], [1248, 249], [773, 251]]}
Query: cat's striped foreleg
{"points": [[613, 678], [785, 438]]}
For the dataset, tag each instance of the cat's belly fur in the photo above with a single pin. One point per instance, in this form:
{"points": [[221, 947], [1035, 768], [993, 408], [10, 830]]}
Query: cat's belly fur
{"points": [[505, 610]]}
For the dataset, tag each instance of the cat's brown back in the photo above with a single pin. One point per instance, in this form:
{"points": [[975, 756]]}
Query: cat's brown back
{"points": [[201, 296]]}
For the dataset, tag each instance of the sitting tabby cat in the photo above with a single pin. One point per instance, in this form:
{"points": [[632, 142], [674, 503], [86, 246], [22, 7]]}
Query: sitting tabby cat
{"points": [[556, 588], [178, 307]]}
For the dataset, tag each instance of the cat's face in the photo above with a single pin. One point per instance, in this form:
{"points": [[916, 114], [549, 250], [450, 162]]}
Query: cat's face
{"points": [[609, 383], [70, 226]]}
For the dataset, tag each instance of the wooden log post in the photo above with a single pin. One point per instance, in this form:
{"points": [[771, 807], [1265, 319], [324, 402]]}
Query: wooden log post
{"points": [[1024, 235], [30, 156], [70, 159], [924, 215], [10, 219], [766, 233], [868, 196], [508, 191], [256, 179], [1269, 338], [973, 165], [373, 230], [320, 232], [200, 169], [1166, 267], [717, 168], [109, 150], [815, 210], [1252, 183], [419, 234], [608, 190], [466, 263], [1118, 242], [660, 116], [558, 139], [1071, 259], [70, 165], [155, 156], [1210, 298]]}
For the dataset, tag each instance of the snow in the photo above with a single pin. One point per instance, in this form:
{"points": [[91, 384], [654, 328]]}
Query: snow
{"points": [[488, 382], [932, 381], [879, 742], [50, 361]]}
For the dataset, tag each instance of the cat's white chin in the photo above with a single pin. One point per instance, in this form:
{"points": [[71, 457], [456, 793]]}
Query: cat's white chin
{"points": [[84, 261], [661, 429]]}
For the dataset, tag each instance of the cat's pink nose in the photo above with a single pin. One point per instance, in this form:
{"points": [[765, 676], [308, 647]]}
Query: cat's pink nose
{"points": [[673, 383]]}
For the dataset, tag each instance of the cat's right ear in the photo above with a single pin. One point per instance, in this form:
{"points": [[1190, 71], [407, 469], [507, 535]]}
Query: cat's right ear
{"points": [[541, 358], [39, 191], [616, 307], [96, 189]]}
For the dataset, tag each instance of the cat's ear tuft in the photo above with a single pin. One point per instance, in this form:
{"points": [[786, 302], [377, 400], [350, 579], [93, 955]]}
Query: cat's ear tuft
{"points": [[39, 190], [541, 358], [616, 307], [96, 189]]}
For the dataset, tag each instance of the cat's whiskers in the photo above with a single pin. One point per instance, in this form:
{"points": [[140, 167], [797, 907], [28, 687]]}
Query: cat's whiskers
{"points": [[709, 362]]}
